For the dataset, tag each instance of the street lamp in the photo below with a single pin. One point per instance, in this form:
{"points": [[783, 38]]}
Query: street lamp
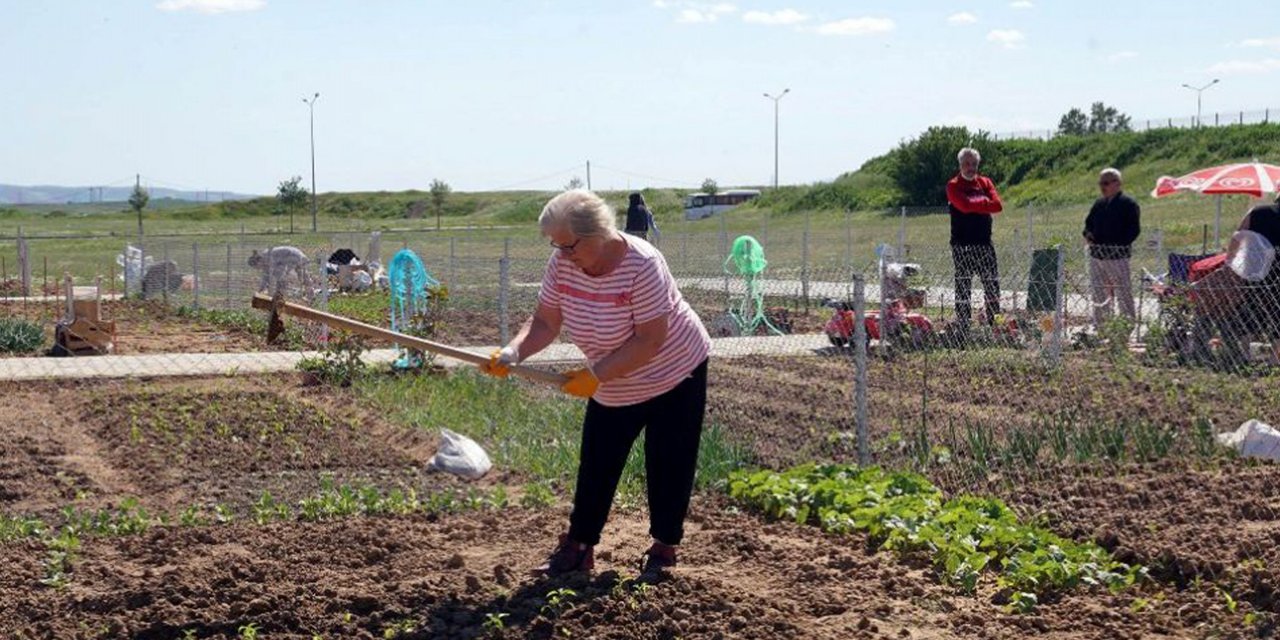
{"points": [[1199, 90], [311, 106], [775, 100]]}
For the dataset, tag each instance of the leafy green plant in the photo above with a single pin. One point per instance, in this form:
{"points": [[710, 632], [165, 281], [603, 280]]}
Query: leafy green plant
{"points": [[20, 336], [248, 631], [495, 622], [558, 600], [963, 537], [537, 495], [340, 362]]}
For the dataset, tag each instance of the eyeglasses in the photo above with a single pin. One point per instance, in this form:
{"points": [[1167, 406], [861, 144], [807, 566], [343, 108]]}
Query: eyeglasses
{"points": [[566, 248]]}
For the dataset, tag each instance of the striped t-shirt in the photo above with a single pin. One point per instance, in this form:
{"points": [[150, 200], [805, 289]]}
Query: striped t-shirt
{"points": [[601, 312]]}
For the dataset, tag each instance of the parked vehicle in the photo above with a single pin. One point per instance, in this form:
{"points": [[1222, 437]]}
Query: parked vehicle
{"points": [[703, 205]]}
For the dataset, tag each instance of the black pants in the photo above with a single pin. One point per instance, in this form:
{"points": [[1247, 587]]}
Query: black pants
{"points": [[976, 260], [674, 429]]}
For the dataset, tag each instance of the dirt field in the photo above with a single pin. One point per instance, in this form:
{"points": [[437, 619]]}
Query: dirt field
{"points": [[451, 575]]}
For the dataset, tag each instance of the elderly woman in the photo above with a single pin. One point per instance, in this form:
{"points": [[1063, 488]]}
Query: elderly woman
{"points": [[646, 369]]}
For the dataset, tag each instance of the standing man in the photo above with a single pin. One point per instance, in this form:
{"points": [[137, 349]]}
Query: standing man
{"points": [[1110, 229], [972, 200]]}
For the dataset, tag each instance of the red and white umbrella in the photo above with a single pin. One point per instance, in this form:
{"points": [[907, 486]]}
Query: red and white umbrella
{"points": [[1247, 178]]}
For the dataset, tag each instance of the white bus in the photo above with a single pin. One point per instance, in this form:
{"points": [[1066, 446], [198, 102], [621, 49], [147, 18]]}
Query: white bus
{"points": [[700, 205]]}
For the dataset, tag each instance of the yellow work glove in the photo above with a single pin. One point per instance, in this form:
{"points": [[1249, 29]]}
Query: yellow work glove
{"points": [[582, 383], [500, 361]]}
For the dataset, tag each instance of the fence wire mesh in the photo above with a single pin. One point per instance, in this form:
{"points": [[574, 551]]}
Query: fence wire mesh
{"points": [[1056, 396]]}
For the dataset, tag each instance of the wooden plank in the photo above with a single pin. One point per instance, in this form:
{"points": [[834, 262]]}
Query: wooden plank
{"points": [[264, 302]]}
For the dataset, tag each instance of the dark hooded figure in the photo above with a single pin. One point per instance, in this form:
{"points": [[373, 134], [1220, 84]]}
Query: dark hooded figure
{"points": [[640, 218]]}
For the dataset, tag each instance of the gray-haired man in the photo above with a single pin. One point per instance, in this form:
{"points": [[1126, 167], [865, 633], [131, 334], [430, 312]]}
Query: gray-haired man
{"points": [[1113, 224]]}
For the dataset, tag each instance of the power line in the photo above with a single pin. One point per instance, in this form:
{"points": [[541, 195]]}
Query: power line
{"points": [[540, 178], [682, 183]]}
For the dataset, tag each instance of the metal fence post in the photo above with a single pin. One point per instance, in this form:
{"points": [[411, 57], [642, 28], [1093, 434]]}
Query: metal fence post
{"points": [[24, 264], [1031, 231], [804, 264], [504, 285], [453, 262], [142, 270], [167, 273], [228, 276], [724, 255], [860, 369], [902, 233], [848, 238], [195, 275], [883, 320], [1055, 345]]}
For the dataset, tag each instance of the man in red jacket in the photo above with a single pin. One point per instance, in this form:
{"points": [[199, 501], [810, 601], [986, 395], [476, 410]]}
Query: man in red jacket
{"points": [[972, 200]]}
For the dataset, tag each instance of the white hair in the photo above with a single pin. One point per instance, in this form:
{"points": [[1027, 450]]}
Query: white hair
{"points": [[1110, 172], [582, 212], [968, 152]]}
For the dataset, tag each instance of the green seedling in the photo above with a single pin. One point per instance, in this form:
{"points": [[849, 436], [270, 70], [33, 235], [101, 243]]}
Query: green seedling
{"points": [[495, 622], [248, 631], [558, 600]]}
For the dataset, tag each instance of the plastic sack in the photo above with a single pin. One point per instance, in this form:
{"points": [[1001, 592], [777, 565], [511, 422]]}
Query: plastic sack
{"points": [[1252, 260], [461, 456], [1254, 439]]}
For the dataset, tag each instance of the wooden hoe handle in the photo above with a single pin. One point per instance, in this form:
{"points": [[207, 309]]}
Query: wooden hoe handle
{"points": [[265, 302]]}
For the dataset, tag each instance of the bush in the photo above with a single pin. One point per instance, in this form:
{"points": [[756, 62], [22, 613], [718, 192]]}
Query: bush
{"points": [[20, 336]]}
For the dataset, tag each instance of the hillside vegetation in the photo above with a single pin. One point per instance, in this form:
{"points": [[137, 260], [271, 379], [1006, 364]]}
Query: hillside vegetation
{"points": [[1062, 170]]}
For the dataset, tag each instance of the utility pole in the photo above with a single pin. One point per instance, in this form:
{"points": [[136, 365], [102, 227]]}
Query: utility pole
{"points": [[311, 106], [776, 100], [588, 175]]}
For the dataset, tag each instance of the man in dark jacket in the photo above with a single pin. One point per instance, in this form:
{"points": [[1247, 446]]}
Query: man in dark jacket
{"points": [[972, 200], [1113, 224]]}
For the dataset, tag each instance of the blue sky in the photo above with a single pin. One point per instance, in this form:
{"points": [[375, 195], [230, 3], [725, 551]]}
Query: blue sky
{"points": [[488, 94]]}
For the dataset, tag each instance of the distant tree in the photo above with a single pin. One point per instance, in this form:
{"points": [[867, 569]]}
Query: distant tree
{"points": [[290, 195], [710, 187], [574, 183], [1104, 119], [138, 201], [1073, 123], [921, 167], [439, 193]]}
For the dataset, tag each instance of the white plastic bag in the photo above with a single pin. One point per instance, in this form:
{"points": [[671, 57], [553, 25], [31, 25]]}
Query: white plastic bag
{"points": [[460, 455], [1254, 439], [1252, 260]]}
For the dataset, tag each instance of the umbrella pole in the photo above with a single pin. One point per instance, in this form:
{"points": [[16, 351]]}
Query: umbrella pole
{"points": [[1217, 226]]}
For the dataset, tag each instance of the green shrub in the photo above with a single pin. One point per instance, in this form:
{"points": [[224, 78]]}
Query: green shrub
{"points": [[20, 336]]}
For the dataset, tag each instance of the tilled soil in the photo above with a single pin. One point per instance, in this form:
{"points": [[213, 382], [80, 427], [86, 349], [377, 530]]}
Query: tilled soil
{"points": [[1211, 520], [1200, 529], [171, 442], [444, 578]]}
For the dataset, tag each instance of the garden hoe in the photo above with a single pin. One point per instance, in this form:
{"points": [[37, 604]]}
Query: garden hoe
{"points": [[278, 306]]}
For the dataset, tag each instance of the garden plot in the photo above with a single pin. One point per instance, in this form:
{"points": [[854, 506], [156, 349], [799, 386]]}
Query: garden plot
{"points": [[464, 576], [260, 507], [1124, 456]]}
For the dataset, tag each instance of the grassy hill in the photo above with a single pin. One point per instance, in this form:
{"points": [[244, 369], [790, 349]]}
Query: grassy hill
{"points": [[1042, 172]]}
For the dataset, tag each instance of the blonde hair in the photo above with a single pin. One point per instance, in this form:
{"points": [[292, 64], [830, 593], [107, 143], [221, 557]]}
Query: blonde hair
{"points": [[582, 212], [1110, 172]]}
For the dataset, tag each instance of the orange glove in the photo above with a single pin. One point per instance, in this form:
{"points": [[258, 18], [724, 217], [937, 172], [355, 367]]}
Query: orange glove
{"points": [[500, 361], [582, 383]]}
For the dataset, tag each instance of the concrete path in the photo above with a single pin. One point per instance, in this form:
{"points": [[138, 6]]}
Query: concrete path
{"points": [[207, 364]]}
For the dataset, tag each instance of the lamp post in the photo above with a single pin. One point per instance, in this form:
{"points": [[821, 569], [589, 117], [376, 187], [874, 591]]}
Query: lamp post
{"points": [[775, 100], [1199, 90], [311, 106]]}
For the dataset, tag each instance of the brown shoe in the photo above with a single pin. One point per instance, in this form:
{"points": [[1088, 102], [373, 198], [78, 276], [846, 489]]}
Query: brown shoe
{"points": [[569, 556], [658, 558]]}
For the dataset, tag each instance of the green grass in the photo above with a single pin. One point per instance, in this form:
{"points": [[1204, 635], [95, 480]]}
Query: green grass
{"points": [[534, 433]]}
